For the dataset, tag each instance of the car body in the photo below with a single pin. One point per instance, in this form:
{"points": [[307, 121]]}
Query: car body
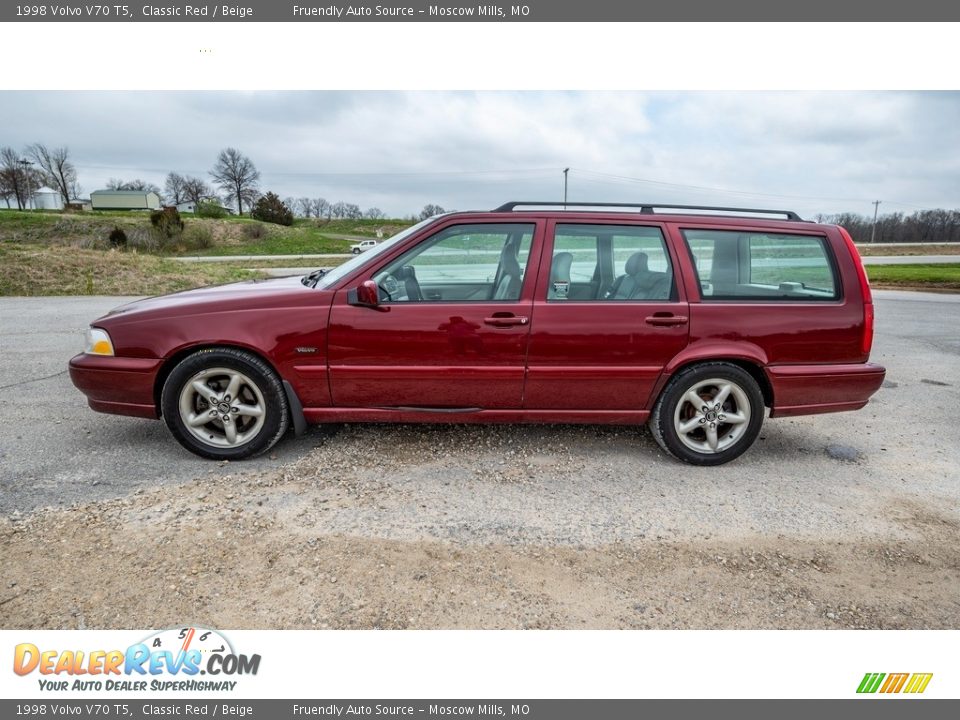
{"points": [[694, 322], [363, 246]]}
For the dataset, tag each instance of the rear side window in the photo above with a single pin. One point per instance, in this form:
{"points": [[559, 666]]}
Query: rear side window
{"points": [[744, 265], [616, 263]]}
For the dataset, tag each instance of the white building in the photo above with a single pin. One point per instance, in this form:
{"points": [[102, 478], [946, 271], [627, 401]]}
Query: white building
{"points": [[47, 199], [124, 200], [188, 206]]}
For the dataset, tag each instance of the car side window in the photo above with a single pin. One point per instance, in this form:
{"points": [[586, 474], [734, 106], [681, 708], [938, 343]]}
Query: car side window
{"points": [[462, 263], [752, 265], [609, 263]]}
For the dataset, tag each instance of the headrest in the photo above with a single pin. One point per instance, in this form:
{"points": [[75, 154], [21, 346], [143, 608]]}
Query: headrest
{"points": [[563, 261], [636, 263]]}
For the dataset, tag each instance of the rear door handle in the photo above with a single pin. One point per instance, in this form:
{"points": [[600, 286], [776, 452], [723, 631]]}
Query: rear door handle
{"points": [[506, 320], [667, 320]]}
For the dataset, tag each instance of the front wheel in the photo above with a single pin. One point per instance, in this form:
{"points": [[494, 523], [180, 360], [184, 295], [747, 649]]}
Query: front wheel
{"points": [[708, 414], [225, 404]]}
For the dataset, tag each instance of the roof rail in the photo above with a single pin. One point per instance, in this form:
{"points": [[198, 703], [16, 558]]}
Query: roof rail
{"points": [[647, 208]]}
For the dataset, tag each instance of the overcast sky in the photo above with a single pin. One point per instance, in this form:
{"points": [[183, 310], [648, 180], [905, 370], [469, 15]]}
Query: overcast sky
{"points": [[823, 152]]}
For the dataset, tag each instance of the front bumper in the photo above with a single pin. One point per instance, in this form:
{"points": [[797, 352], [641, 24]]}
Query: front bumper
{"points": [[812, 389], [117, 385]]}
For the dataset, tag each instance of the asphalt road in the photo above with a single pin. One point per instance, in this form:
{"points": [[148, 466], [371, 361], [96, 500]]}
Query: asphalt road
{"points": [[55, 451]]}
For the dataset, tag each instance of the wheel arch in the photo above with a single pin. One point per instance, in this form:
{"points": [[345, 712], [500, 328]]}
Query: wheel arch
{"points": [[749, 364], [174, 359]]}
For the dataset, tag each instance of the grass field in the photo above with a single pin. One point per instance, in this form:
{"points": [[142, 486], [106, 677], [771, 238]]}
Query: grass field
{"points": [[937, 277], [201, 236], [38, 270], [917, 249]]}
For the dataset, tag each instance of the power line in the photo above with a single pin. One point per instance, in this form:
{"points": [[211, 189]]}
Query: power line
{"points": [[626, 180]]}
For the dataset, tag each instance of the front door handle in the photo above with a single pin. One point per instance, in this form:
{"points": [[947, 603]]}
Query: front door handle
{"points": [[667, 320], [506, 320]]}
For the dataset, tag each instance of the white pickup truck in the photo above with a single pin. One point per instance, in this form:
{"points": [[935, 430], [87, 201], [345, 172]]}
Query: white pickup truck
{"points": [[362, 246]]}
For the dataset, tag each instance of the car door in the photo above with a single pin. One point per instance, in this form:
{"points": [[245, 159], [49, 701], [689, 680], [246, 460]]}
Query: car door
{"points": [[451, 327], [608, 316]]}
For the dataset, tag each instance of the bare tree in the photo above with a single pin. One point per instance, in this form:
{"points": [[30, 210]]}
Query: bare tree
{"points": [[173, 188], [430, 210], [9, 177], [58, 172], [303, 207], [17, 181], [338, 209], [353, 212], [321, 208], [922, 226], [195, 190], [236, 174], [251, 196], [135, 184], [375, 213]]}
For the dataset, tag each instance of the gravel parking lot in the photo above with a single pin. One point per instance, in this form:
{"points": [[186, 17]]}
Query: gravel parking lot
{"points": [[836, 521]]}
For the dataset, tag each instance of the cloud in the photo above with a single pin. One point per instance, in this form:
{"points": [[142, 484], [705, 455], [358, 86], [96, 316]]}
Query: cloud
{"points": [[815, 152]]}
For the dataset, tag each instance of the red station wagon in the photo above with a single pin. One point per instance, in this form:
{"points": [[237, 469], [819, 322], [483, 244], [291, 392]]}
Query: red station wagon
{"points": [[690, 319]]}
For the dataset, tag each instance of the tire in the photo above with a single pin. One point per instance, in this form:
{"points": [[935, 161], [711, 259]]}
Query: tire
{"points": [[701, 437], [253, 425], [355, 251]]}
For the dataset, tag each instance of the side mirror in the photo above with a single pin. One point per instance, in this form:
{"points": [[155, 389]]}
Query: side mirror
{"points": [[366, 294]]}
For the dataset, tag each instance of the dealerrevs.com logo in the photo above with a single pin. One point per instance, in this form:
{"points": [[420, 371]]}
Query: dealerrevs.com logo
{"points": [[911, 683], [167, 660]]}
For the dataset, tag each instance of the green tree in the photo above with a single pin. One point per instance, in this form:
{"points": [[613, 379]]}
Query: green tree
{"points": [[270, 208]]}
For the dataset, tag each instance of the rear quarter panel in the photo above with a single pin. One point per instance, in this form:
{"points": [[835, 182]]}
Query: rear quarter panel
{"points": [[810, 352], [789, 332]]}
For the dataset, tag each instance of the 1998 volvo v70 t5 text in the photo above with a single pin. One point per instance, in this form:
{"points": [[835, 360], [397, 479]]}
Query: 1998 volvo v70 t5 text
{"points": [[693, 320]]}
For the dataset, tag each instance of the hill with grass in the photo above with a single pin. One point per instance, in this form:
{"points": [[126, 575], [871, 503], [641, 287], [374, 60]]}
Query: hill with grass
{"points": [[124, 253], [199, 236]]}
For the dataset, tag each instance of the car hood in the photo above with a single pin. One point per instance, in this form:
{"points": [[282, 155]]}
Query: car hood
{"points": [[248, 294]]}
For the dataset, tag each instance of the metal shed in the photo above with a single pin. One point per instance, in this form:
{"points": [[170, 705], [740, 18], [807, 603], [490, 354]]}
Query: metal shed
{"points": [[124, 200]]}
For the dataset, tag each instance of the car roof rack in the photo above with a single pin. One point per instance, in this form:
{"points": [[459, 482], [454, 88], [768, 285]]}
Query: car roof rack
{"points": [[647, 208]]}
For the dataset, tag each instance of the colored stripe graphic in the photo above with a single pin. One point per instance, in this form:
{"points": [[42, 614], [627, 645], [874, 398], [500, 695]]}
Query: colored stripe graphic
{"points": [[870, 682], [918, 683], [894, 682]]}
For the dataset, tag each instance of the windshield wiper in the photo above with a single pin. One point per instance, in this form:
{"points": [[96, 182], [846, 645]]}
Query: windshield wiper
{"points": [[313, 278]]}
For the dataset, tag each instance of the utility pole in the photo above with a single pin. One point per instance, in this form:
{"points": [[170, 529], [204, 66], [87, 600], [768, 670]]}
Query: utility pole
{"points": [[565, 171], [26, 171], [873, 228]]}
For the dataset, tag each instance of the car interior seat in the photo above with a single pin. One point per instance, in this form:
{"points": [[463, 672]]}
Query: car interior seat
{"points": [[560, 276], [639, 282], [625, 286], [410, 283], [509, 279]]}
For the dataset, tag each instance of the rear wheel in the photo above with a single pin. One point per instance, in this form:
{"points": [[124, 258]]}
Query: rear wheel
{"points": [[708, 414], [225, 404]]}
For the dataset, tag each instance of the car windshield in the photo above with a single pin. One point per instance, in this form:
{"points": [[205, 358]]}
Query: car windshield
{"points": [[333, 276]]}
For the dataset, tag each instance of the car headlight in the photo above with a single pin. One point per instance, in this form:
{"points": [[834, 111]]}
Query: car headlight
{"points": [[98, 342]]}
